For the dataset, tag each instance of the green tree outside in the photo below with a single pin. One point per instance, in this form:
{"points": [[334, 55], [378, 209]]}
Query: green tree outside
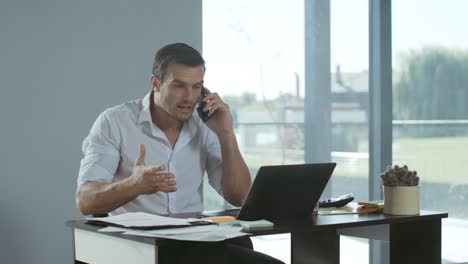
{"points": [[433, 85]]}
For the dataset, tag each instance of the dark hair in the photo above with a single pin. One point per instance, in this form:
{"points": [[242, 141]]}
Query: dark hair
{"points": [[176, 53]]}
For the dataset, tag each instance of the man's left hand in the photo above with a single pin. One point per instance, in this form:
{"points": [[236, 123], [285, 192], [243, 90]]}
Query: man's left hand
{"points": [[220, 120]]}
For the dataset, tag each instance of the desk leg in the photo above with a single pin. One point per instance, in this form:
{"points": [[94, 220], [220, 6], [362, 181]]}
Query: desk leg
{"points": [[416, 242], [315, 247]]}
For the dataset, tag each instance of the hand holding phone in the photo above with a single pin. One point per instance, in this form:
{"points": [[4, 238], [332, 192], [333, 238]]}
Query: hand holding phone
{"points": [[217, 116], [203, 115]]}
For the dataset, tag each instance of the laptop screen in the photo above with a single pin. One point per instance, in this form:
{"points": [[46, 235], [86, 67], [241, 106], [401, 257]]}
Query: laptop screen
{"points": [[286, 192]]}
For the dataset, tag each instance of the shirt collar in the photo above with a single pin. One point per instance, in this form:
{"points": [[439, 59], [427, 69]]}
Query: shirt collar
{"points": [[188, 130], [145, 113]]}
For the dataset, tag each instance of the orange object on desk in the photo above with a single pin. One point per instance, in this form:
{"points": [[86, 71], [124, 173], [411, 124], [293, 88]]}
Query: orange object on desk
{"points": [[220, 219], [369, 207]]}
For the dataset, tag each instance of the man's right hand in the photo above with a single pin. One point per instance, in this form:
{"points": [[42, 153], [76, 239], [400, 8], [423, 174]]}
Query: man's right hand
{"points": [[150, 179]]}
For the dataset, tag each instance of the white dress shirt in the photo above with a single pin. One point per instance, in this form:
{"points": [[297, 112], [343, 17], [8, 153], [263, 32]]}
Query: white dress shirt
{"points": [[112, 146]]}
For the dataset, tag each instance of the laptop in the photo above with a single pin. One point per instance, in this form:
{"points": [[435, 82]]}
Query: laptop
{"points": [[285, 192]]}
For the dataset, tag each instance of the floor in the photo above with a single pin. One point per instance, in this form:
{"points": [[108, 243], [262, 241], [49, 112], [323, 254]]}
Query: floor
{"points": [[353, 251]]}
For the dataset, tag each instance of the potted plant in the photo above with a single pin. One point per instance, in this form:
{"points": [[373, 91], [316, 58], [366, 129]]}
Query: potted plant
{"points": [[401, 191]]}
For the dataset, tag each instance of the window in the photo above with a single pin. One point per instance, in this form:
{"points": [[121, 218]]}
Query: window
{"points": [[349, 49], [430, 110], [255, 60], [255, 53]]}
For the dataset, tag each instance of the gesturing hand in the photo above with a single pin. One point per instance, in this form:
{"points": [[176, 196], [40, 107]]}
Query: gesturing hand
{"points": [[149, 179]]}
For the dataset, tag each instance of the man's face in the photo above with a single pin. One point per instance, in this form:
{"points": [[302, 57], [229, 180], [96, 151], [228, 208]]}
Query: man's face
{"points": [[180, 89]]}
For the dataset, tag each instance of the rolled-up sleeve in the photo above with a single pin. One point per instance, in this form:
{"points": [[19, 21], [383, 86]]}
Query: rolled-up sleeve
{"points": [[214, 164], [101, 153]]}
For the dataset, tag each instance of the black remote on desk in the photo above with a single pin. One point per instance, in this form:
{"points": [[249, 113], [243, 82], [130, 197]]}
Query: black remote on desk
{"points": [[337, 202]]}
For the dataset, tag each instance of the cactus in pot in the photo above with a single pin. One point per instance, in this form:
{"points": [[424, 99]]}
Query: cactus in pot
{"points": [[401, 191], [399, 176]]}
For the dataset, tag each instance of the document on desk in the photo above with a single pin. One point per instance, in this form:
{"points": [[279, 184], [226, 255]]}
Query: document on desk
{"points": [[141, 220], [336, 211], [208, 233], [354, 208]]}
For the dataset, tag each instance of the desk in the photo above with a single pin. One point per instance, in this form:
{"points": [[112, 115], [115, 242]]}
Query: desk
{"points": [[413, 239]]}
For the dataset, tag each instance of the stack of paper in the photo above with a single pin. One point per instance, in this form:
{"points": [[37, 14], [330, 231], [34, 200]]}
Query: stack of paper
{"points": [[209, 233], [140, 224], [142, 220], [336, 210]]}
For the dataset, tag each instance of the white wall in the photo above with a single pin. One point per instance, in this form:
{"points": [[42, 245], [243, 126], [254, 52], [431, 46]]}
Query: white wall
{"points": [[61, 64]]}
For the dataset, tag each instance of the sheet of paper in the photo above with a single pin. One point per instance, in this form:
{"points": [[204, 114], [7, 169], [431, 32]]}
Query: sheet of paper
{"points": [[112, 229], [211, 233], [336, 210], [142, 220], [185, 230], [207, 233]]}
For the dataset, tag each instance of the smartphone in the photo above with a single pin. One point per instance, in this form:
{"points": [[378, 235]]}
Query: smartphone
{"points": [[203, 115]]}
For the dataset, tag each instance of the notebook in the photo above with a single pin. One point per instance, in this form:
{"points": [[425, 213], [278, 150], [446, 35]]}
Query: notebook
{"points": [[285, 192]]}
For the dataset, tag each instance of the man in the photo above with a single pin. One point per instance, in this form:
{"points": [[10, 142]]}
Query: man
{"points": [[151, 154]]}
